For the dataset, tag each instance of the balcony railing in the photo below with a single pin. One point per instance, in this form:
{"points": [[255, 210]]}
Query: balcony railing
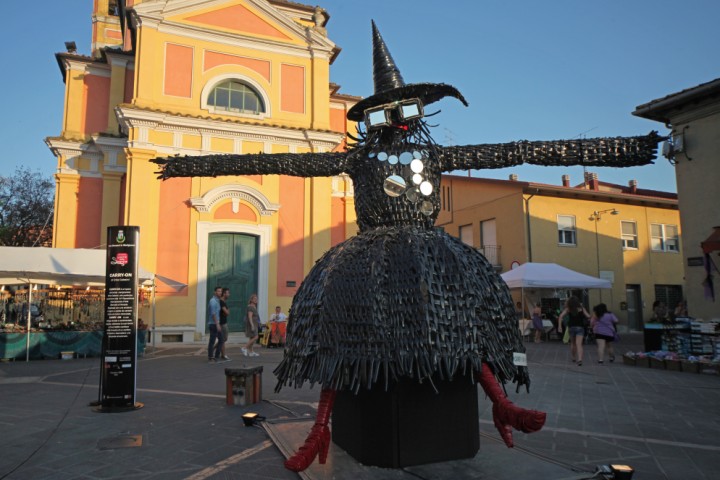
{"points": [[492, 253]]}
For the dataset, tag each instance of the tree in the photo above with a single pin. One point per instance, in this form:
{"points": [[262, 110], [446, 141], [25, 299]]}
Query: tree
{"points": [[26, 209]]}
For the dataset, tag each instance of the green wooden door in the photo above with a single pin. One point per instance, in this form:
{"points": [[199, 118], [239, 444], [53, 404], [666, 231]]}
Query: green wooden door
{"points": [[233, 263]]}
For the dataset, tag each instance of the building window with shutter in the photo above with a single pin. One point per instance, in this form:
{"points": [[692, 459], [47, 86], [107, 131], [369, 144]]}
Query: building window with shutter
{"points": [[629, 235], [567, 234], [664, 238]]}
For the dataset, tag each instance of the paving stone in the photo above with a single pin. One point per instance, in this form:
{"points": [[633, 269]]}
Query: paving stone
{"points": [[665, 424]]}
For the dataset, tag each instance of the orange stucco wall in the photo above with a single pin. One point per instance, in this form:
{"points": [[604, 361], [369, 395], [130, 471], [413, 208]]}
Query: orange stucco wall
{"points": [[116, 34], [239, 18], [173, 234], [225, 212], [292, 88], [338, 121], [214, 59], [89, 213], [97, 93], [290, 234], [178, 70]]}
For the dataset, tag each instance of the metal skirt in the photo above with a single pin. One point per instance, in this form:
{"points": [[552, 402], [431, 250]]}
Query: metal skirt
{"points": [[395, 303]]}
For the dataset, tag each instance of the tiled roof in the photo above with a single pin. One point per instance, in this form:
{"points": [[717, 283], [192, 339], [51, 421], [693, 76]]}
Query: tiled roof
{"points": [[621, 191], [660, 108]]}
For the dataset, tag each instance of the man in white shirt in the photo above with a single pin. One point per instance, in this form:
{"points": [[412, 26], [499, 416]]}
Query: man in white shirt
{"points": [[277, 328], [278, 316]]}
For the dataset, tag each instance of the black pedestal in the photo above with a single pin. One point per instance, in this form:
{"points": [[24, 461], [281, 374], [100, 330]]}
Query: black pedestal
{"points": [[410, 424]]}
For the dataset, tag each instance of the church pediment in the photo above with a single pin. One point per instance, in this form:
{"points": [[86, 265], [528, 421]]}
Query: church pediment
{"points": [[239, 19], [252, 19]]}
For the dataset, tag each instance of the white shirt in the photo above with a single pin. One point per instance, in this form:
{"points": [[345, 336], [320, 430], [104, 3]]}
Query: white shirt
{"points": [[278, 317]]}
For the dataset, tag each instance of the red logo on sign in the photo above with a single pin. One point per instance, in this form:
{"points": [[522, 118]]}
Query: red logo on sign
{"points": [[121, 259]]}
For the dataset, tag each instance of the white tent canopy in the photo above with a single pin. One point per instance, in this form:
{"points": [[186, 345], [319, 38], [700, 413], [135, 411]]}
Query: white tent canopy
{"points": [[51, 266], [550, 275]]}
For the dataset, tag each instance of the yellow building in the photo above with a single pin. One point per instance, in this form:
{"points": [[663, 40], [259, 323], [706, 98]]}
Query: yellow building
{"points": [[693, 114], [192, 78], [628, 235]]}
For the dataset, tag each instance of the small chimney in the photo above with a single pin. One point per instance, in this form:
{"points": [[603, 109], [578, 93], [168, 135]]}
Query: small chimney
{"points": [[566, 180], [513, 177], [593, 182], [633, 186]]}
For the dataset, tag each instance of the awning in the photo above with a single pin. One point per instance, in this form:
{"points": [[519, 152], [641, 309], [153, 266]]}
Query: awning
{"points": [[550, 275], [712, 243], [56, 266]]}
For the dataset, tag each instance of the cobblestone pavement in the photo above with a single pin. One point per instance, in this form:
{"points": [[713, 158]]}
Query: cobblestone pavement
{"points": [[665, 424]]}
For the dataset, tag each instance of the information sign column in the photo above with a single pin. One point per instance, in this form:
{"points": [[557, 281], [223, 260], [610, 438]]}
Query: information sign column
{"points": [[119, 355]]}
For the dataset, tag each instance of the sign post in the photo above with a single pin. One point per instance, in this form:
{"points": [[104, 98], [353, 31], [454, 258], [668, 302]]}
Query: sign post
{"points": [[119, 346]]}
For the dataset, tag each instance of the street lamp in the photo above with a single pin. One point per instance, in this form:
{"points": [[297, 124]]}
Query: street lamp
{"points": [[595, 218]]}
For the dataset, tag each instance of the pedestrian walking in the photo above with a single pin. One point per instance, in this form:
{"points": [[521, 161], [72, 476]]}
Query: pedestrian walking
{"points": [[537, 323], [577, 321], [224, 315], [252, 322], [603, 324], [215, 342]]}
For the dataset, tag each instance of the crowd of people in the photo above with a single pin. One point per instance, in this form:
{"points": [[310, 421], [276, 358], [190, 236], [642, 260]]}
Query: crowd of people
{"points": [[577, 326], [574, 322]]}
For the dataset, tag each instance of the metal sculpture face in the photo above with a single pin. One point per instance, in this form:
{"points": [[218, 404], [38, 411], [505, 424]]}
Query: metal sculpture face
{"points": [[394, 113]]}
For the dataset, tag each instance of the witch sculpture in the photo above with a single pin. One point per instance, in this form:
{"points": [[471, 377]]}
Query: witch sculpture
{"points": [[402, 299]]}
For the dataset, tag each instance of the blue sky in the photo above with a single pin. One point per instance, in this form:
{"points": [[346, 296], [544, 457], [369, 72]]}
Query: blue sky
{"points": [[535, 70]]}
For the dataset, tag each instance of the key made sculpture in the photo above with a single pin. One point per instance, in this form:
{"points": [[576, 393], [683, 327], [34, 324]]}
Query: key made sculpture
{"points": [[402, 299]]}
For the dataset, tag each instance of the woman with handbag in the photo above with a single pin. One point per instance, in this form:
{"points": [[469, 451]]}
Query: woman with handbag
{"points": [[604, 324], [577, 318]]}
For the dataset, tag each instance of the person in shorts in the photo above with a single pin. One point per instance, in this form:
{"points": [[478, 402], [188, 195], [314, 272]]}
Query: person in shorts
{"points": [[577, 320], [604, 324]]}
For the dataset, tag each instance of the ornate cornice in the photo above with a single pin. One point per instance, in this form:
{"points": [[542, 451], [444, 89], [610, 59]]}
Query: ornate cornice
{"points": [[132, 117], [234, 192], [70, 149], [95, 151]]}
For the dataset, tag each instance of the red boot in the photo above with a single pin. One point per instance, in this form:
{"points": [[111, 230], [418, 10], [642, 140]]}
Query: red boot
{"points": [[507, 415], [318, 440]]}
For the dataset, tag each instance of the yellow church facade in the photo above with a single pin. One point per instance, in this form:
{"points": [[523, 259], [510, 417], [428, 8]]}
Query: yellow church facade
{"points": [[198, 78]]}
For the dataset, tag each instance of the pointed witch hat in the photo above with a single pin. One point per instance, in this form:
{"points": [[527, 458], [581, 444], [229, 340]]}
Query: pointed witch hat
{"points": [[390, 86]]}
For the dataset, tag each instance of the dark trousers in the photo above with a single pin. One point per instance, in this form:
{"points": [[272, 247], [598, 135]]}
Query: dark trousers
{"points": [[215, 335]]}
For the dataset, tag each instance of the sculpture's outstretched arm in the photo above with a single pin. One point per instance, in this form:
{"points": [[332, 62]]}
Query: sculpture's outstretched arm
{"points": [[295, 164], [599, 152]]}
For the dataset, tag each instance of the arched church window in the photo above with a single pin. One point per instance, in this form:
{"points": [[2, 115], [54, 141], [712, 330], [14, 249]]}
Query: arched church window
{"points": [[236, 96]]}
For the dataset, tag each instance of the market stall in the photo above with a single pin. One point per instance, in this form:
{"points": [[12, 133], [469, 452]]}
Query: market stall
{"points": [[73, 269], [547, 280]]}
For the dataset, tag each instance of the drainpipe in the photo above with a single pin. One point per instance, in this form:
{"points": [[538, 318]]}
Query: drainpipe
{"points": [[527, 222]]}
